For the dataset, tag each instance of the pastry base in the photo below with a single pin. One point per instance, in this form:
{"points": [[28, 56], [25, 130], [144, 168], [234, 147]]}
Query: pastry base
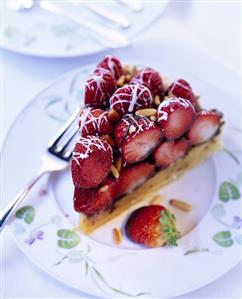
{"points": [[195, 156]]}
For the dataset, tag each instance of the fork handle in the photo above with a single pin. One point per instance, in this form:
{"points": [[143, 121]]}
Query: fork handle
{"points": [[6, 214], [112, 38]]}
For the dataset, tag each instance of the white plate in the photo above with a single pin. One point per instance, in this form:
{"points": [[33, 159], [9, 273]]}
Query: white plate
{"points": [[40, 33], [211, 234]]}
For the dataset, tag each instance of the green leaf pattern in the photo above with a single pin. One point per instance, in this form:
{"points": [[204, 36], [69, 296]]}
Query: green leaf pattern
{"points": [[67, 239], [227, 191], [223, 239], [26, 213]]}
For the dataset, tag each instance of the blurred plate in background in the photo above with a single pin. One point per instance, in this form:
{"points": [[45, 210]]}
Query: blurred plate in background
{"points": [[41, 33]]}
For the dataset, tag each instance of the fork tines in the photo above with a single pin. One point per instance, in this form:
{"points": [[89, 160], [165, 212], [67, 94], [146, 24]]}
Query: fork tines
{"points": [[63, 143]]}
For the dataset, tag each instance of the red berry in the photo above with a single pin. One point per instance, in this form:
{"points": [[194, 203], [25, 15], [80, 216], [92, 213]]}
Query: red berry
{"points": [[151, 79], [130, 98], [134, 176], [182, 89], [93, 200], [99, 87], [121, 130], [175, 116], [94, 121], [91, 161], [169, 151], [141, 140], [112, 64], [204, 127], [152, 226]]}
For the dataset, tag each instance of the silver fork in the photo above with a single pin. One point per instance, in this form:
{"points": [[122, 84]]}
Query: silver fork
{"points": [[55, 158], [107, 36]]}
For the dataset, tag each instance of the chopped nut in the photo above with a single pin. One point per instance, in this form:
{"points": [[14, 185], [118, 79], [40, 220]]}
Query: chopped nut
{"points": [[133, 71], [117, 236], [156, 199], [157, 100], [128, 78], [146, 112], [104, 188], [113, 115], [153, 118], [181, 205], [132, 129], [120, 81], [126, 69], [166, 82], [119, 163], [109, 140], [115, 171]]}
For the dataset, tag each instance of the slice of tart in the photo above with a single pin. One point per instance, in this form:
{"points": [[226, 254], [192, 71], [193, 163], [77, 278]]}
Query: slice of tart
{"points": [[137, 134]]}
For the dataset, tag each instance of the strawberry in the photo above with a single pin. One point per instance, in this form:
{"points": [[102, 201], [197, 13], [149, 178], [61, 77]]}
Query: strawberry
{"points": [[91, 154], [142, 138], [151, 79], [94, 121], [175, 116], [130, 98], [93, 200], [204, 127], [99, 87], [152, 226], [132, 177], [122, 128], [169, 151], [182, 89], [112, 64]]}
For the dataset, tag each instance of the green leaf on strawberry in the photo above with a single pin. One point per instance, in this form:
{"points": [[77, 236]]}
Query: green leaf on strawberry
{"points": [[168, 222]]}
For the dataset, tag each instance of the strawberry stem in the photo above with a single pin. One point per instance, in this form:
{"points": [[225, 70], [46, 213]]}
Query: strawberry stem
{"points": [[168, 223]]}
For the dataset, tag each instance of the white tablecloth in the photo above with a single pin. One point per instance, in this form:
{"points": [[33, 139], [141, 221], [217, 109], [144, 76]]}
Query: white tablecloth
{"points": [[199, 38]]}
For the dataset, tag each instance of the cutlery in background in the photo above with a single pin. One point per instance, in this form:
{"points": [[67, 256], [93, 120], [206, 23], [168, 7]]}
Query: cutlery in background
{"points": [[106, 13], [109, 37], [133, 4]]}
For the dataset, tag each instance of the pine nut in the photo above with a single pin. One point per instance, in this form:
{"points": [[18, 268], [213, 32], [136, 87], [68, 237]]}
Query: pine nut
{"points": [[146, 112], [115, 171], [120, 81], [109, 140], [117, 236], [181, 205], [157, 100], [132, 129], [113, 115]]}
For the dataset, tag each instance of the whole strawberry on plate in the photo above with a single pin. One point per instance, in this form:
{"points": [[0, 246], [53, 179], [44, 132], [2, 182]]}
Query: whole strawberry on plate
{"points": [[152, 226]]}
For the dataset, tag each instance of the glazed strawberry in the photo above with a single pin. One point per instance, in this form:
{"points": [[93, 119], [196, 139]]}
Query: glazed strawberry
{"points": [[99, 87], [152, 226], [134, 176], [130, 98], [122, 128], [175, 116], [93, 200], [151, 79], [204, 127], [91, 161], [94, 121], [182, 89], [142, 139], [169, 151], [112, 64]]}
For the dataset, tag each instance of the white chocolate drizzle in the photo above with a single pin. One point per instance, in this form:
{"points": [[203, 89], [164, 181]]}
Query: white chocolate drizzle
{"points": [[136, 97], [87, 118], [139, 126], [163, 115], [90, 144]]}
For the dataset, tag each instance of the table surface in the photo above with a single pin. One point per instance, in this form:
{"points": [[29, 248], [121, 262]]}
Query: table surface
{"points": [[199, 26]]}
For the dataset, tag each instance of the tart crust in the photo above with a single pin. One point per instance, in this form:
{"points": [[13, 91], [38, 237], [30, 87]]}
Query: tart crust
{"points": [[195, 156]]}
